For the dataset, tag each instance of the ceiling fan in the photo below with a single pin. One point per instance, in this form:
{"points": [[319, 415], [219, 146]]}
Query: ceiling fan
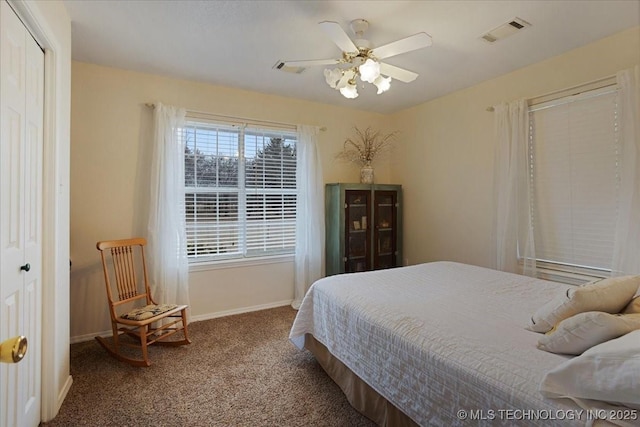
{"points": [[361, 59]]}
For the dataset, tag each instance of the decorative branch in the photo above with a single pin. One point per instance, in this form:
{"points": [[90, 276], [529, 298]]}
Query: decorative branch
{"points": [[366, 147]]}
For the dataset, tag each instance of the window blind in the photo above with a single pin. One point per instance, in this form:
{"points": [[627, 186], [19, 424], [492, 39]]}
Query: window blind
{"points": [[270, 186], [240, 191], [573, 153]]}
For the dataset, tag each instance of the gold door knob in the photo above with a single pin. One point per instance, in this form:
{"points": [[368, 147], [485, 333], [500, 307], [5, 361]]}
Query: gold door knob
{"points": [[13, 349]]}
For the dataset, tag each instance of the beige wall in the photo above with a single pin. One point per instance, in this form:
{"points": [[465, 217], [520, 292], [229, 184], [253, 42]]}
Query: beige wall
{"points": [[111, 132], [445, 160]]}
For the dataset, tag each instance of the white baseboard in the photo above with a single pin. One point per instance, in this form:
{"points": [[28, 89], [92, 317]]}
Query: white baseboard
{"points": [[198, 318], [225, 313], [65, 390], [47, 414], [89, 337]]}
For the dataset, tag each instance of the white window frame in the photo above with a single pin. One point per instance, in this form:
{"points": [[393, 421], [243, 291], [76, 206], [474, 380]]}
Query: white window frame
{"points": [[242, 257], [574, 274]]}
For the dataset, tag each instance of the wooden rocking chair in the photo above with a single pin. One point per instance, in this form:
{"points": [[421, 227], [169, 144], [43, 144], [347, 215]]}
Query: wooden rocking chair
{"points": [[130, 273]]}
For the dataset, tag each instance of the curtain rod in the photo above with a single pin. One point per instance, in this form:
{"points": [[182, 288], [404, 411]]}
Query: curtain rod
{"points": [[153, 105], [606, 81]]}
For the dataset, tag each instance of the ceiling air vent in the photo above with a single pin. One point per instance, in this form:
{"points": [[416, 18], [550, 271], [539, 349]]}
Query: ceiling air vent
{"points": [[282, 67], [505, 30]]}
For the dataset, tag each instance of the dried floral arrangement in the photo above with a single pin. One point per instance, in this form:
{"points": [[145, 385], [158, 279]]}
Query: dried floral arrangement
{"points": [[366, 146]]}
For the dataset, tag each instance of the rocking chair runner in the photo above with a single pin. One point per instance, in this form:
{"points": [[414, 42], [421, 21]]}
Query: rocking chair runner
{"points": [[129, 270]]}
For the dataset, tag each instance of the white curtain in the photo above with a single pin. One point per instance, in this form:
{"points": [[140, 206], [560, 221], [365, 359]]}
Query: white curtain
{"points": [[167, 242], [309, 258], [513, 230], [626, 256]]}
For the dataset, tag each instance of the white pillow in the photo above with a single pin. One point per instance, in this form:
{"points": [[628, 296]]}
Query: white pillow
{"points": [[607, 372], [584, 330], [608, 295]]}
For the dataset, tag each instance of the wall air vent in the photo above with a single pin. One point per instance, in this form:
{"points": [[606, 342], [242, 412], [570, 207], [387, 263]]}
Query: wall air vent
{"points": [[505, 30], [295, 70]]}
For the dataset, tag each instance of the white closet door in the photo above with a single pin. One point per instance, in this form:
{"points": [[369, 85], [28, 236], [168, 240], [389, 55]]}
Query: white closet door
{"points": [[21, 141]]}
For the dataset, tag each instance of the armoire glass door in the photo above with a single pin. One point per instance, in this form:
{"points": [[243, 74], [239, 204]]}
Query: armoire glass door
{"points": [[385, 229], [357, 239]]}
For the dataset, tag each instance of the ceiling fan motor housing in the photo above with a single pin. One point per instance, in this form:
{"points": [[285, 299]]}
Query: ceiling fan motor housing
{"points": [[359, 27]]}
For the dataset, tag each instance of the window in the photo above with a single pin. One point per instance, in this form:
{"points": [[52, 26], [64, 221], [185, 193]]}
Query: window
{"points": [[240, 190], [574, 176]]}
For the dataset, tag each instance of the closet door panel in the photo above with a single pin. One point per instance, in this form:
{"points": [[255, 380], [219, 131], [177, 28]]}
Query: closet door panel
{"points": [[21, 150], [32, 199]]}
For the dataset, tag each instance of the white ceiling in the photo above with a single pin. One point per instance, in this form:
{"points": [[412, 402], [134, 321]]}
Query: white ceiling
{"points": [[237, 43]]}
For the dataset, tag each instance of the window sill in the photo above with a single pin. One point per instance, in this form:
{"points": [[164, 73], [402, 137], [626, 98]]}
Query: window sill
{"points": [[571, 275], [240, 263]]}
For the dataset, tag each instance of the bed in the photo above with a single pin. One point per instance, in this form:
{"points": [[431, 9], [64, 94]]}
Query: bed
{"points": [[435, 344]]}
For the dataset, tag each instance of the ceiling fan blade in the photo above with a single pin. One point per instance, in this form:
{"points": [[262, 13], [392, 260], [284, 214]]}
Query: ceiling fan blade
{"points": [[309, 63], [397, 73], [339, 37], [416, 41]]}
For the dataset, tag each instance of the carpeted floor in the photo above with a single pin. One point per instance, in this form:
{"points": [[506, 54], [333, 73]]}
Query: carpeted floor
{"points": [[239, 371]]}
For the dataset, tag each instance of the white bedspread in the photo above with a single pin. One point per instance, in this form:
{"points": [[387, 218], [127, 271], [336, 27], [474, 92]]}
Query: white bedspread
{"points": [[441, 337]]}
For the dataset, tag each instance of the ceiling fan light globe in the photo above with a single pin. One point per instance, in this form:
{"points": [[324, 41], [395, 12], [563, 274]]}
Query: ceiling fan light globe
{"points": [[383, 84], [369, 71], [349, 91], [332, 76]]}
